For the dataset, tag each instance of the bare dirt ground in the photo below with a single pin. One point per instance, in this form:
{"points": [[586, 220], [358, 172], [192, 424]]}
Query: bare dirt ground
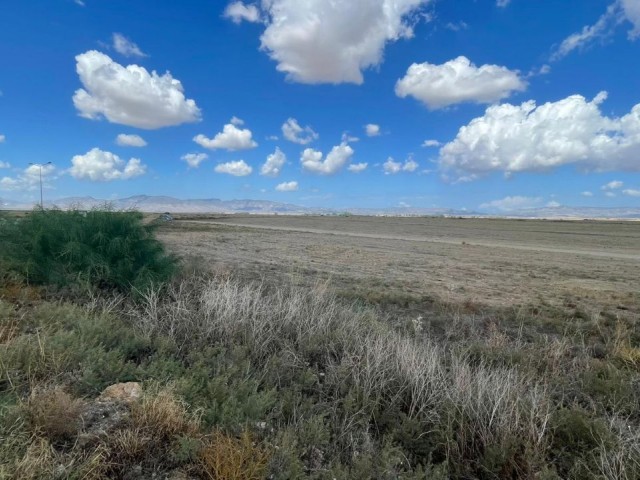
{"points": [[590, 266]]}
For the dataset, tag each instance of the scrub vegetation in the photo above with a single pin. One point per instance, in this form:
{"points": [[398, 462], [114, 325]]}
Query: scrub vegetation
{"points": [[250, 379]]}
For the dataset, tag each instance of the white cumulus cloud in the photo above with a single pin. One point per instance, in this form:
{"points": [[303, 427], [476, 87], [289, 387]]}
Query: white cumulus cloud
{"points": [[587, 194], [528, 137], [431, 143], [391, 167], [130, 95], [358, 167], [313, 161], [125, 140], [273, 166], [287, 187], [126, 47], [238, 12], [238, 168], [4, 164], [100, 166], [293, 132], [458, 81], [194, 159], [231, 138], [630, 192], [320, 41], [372, 130]]}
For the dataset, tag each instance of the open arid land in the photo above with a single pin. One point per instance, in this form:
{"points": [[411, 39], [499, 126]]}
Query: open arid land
{"points": [[585, 267]]}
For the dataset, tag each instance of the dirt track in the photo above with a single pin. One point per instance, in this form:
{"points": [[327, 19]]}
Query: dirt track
{"points": [[407, 238]]}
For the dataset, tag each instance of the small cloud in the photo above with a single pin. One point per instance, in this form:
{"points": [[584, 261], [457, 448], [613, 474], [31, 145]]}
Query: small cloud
{"points": [[312, 160], [346, 138], [372, 130], [610, 194], [273, 166], [125, 140], [391, 167], [614, 185], [231, 139], [502, 3], [237, 169], [357, 167], [194, 159], [4, 164], [273, 138], [630, 192], [456, 27], [293, 132], [126, 47], [238, 122], [553, 204], [238, 12], [431, 143], [287, 187], [404, 205], [587, 194], [79, 2], [2, 138]]}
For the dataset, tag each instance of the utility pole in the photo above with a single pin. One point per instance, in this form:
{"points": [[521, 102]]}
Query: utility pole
{"points": [[40, 165]]}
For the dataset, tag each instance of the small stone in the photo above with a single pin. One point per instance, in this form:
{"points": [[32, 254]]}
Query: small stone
{"points": [[123, 392]]}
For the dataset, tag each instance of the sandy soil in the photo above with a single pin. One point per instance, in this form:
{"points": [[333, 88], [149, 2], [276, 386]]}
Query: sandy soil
{"points": [[592, 266]]}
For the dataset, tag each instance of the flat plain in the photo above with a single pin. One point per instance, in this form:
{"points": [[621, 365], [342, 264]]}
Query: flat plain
{"points": [[589, 267]]}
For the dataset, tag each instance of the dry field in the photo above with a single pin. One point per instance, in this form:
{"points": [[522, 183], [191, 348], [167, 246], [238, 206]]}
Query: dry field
{"points": [[588, 267]]}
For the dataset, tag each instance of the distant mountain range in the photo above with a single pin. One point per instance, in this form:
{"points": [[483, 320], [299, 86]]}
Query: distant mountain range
{"points": [[159, 204]]}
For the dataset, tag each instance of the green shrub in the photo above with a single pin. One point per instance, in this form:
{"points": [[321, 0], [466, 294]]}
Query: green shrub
{"points": [[100, 248]]}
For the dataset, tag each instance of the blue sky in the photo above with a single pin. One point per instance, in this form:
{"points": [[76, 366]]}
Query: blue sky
{"points": [[485, 104]]}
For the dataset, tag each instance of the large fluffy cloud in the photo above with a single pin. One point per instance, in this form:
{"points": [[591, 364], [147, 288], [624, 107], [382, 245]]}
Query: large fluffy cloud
{"points": [[231, 138], [273, 166], [312, 160], [458, 81], [100, 166], [320, 41], [238, 168], [293, 132], [130, 95], [527, 137]]}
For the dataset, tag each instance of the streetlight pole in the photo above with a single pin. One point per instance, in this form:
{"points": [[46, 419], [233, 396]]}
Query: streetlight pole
{"points": [[40, 165]]}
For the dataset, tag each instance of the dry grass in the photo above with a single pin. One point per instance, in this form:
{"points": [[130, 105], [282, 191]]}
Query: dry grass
{"points": [[227, 458], [162, 415], [53, 414]]}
